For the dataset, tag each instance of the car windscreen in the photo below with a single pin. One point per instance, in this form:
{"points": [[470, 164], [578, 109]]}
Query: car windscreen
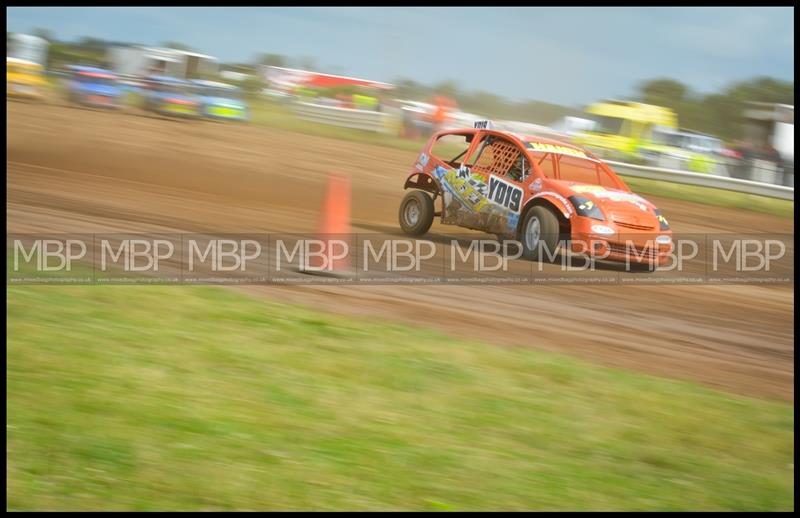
{"points": [[706, 144], [172, 88], [664, 138], [572, 165], [607, 125]]}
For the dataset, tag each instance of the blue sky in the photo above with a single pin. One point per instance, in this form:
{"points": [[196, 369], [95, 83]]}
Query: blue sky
{"points": [[561, 55]]}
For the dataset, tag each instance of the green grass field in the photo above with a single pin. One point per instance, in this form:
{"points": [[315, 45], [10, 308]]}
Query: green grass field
{"points": [[146, 398], [708, 196]]}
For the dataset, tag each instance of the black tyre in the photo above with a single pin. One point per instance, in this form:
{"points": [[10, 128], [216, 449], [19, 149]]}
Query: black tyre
{"points": [[539, 234], [416, 213]]}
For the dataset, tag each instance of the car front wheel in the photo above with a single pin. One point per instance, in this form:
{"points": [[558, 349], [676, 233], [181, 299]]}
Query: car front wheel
{"points": [[539, 234]]}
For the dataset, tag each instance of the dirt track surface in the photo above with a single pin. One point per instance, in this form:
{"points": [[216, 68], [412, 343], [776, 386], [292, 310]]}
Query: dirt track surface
{"points": [[77, 170]]}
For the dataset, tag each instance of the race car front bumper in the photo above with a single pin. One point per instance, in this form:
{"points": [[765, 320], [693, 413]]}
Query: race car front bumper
{"points": [[607, 241], [179, 110]]}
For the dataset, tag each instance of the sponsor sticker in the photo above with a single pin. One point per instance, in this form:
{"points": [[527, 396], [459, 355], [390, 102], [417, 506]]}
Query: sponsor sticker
{"points": [[542, 147], [603, 193], [423, 159]]}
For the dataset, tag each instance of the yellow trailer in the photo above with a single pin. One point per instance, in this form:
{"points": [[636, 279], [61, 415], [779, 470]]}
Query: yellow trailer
{"points": [[24, 79], [621, 128]]}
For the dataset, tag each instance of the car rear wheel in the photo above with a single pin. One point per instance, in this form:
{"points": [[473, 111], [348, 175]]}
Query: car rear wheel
{"points": [[416, 213], [642, 267], [539, 233]]}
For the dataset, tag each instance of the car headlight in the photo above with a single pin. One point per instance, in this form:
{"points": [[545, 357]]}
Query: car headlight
{"points": [[586, 207], [662, 221], [603, 229], [663, 240]]}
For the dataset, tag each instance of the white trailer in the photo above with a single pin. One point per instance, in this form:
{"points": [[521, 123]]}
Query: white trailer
{"points": [[772, 124], [28, 48], [144, 61]]}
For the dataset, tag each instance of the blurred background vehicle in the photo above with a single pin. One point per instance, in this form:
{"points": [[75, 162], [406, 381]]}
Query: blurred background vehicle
{"points": [[621, 128], [221, 100], [170, 96], [684, 150], [95, 87]]}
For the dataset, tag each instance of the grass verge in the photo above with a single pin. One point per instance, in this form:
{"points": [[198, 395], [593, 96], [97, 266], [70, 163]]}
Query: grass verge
{"points": [[145, 397], [709, 196], [280, 116]]}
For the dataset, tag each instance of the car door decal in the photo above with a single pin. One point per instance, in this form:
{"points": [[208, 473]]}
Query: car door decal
{"points": [[467, 201]]}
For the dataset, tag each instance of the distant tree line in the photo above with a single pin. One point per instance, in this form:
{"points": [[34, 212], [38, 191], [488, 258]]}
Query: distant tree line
{"points": [[718, 113], [485, 103]]}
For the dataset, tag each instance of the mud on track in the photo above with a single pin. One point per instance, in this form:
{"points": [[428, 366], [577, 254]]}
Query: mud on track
{"points": [[78, 170]]}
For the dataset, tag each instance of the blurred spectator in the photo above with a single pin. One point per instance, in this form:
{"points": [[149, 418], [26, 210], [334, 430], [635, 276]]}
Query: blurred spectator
{"points": [[444, 106], [409, 127], [345, 101]]}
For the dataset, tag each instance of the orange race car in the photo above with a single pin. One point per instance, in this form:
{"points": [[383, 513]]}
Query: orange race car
{"points": [[540, 192]]}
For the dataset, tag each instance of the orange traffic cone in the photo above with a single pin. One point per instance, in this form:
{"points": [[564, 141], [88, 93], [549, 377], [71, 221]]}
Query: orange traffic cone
{"points": [[333, 230]]}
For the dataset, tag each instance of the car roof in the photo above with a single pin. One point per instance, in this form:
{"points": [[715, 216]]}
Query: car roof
{"points": [[545, 140], [532, 138]]}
